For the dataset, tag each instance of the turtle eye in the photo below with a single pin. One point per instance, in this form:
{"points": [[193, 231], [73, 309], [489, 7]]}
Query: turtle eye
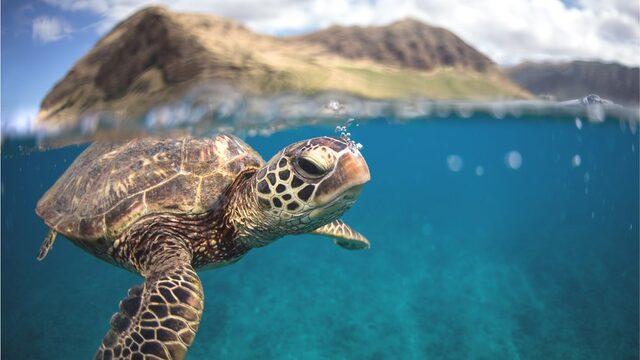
{"points": [[310, 168]]}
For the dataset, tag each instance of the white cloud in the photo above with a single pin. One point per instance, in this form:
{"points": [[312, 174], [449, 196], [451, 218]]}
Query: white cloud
{"points": [[48, 29], [508, 30]]}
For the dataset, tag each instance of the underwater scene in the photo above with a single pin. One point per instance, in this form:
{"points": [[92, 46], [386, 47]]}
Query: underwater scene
{"points": [[512, 238]]}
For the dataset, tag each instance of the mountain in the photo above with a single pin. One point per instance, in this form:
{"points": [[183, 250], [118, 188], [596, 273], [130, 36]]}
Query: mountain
{"points": [[408, 43], [156, 56], [576, 79]]}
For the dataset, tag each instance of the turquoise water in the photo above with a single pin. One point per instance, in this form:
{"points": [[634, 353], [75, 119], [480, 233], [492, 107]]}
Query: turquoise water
{"points": [[538, 262]]}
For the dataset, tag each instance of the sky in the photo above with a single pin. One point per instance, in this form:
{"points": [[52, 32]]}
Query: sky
{"points": [[41, 39]]}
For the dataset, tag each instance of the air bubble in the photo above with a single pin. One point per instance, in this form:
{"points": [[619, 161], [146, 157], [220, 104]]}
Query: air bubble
{"points": [[455, 163], [513, 160], [345, 135], [579, 123], [479, 170], [576, 160]]}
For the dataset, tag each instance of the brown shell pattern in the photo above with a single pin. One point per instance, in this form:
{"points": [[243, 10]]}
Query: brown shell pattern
{"points": [[110, 186]]}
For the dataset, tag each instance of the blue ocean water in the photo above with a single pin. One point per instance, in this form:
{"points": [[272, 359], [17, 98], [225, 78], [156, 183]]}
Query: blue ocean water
{"points": [[538, 262]]}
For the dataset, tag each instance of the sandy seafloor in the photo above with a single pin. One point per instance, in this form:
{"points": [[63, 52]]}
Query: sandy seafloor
{"points": [[539, 262]]}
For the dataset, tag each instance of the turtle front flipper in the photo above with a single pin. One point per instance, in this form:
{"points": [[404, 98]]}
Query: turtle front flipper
{"points": [[343, 235], [159, 319]]}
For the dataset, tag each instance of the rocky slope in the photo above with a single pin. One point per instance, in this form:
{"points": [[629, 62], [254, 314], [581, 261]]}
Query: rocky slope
{"points": [[157, 55], [576, 79], [408, 43]]}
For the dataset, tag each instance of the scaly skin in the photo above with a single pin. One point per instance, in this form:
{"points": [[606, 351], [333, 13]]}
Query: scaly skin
{"points": [[159, 319], [287, 196], [210, 237]]}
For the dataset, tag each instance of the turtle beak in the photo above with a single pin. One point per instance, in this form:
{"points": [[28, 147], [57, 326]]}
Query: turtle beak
{"points": [[350, 175]]}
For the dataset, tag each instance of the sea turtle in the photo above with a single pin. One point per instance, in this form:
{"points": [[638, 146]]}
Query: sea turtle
{"points": [[165, 208]]}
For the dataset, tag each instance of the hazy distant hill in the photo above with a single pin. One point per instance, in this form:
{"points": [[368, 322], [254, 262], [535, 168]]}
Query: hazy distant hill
{"points": [[156, 55], [407, 43], [579, 78]]}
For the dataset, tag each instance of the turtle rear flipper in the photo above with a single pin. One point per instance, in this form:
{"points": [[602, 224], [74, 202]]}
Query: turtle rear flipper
{"points": [[159, 319], [343, 235], [47, 244]]}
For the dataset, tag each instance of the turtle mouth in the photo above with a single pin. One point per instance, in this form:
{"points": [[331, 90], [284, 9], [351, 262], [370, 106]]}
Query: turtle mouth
{"points": [[340, 203], [348, 196], [346, 182], [351, 194], [333, 209]]}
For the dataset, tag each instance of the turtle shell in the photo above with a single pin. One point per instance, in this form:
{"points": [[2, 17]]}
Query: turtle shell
{"points": [[110, 186]]}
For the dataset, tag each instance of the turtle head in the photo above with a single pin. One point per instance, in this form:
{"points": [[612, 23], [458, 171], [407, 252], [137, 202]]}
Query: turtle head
{"points": [[310, 183]]}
